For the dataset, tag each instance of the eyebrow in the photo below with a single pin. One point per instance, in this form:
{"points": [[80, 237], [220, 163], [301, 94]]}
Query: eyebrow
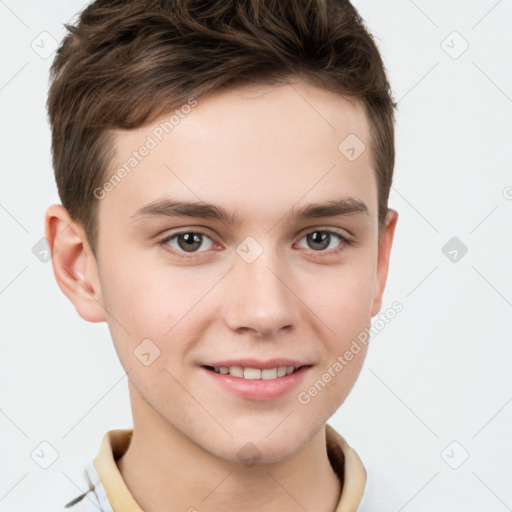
{"points": [[175, 208]]}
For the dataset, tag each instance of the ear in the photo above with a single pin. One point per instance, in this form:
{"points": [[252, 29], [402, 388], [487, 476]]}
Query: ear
{"points": [[385, 243], [74, 264]]}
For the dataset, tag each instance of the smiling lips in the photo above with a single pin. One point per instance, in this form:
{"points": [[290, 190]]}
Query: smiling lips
{"points": [[258, 380], [254, 370], [254, 373]]}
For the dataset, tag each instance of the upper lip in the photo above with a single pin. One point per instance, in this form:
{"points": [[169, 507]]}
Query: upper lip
{"points": [[256, 363]]}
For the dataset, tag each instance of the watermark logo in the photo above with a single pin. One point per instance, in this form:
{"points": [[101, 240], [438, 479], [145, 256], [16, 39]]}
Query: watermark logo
{"points": [[249, 454], [352, 147], [454, 249], [41, 250], [454, 45], [44, 455], [146, 352], [44, 44], [455, 455], [249, 249]]}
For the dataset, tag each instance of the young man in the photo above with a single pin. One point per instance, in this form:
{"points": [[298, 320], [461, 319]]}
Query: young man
{"points": [[224, 170]]}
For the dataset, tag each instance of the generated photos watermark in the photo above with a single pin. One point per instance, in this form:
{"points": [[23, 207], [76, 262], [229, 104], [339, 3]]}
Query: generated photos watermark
{"points": [[152, 140], [305, 397]]}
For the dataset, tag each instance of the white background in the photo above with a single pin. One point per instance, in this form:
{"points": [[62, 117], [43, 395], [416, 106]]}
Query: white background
{"points": [[439, 372]]}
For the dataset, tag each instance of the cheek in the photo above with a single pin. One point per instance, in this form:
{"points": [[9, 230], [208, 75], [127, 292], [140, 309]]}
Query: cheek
{"points": [[157, 303], [144, 296], [343, 302], [343, 297], [140, 306]]}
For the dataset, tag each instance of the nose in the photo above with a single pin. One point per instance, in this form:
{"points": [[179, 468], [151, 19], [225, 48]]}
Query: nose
{"points": [[260, 296]]}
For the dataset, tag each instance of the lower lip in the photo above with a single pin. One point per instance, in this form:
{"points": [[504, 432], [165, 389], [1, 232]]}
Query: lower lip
{"points": [[259, 389]]}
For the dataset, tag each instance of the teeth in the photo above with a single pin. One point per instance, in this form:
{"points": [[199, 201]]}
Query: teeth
{"points": [[236, 371], [281, 371], [269, 373], [255, 373], [252, 373]]}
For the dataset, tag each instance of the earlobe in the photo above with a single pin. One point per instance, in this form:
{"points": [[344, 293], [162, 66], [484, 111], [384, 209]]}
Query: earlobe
{"points": [[74, 264], [384, 252]]}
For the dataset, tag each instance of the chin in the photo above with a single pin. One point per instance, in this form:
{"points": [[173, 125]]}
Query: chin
{"points": [[259, 449]]}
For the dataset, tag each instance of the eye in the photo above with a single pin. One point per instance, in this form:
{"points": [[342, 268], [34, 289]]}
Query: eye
{"points": [[319, 240], [186, 242]]}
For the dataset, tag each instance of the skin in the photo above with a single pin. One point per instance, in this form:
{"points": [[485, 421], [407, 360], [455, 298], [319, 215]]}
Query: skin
{"points": [[257, 151]]}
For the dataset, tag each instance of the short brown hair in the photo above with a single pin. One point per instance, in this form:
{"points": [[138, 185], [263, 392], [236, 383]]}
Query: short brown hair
{"points": [[125, 63]]}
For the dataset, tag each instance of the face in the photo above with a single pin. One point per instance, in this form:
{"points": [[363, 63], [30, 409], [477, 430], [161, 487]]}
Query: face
{"points": [[264, 278]]}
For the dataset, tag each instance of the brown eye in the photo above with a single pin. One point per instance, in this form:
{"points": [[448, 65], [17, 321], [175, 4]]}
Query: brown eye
{"points": [[320, 240], [189, 242], [186, 242]]}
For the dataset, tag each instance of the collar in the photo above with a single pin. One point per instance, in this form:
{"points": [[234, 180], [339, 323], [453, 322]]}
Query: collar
{"points": [[344, 460]]}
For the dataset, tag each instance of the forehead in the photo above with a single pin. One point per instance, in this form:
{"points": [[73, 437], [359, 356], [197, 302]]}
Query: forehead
{"points": [[250, 147]]}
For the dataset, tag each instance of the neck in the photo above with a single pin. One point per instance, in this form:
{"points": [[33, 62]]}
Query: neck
{"points": [[162, 466]]}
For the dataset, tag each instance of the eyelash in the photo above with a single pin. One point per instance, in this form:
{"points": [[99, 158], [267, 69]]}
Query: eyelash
{"points": [[344, 242]]}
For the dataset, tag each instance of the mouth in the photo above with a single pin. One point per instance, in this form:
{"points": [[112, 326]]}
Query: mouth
{"points": [[251, 373], [257, 380]]}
